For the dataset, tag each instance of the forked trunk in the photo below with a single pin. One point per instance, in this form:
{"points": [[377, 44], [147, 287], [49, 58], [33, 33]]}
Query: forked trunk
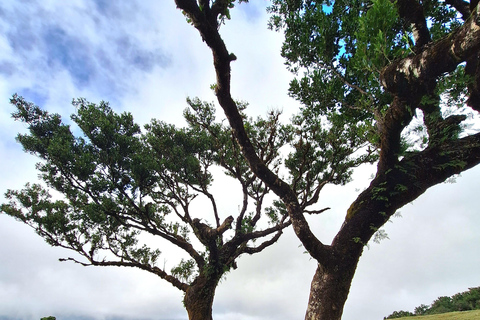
{"points": [[329, 291], [199, 298]]}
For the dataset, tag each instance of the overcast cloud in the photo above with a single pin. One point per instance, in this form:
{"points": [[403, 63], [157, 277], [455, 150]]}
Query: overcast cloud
{"points": [[144, 58]]}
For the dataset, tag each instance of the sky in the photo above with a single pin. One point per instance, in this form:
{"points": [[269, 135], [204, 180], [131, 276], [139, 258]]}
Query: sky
{"points": [[144, 58]]}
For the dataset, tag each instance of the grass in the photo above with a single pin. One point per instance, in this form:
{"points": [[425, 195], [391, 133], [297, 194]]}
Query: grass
{"points": [[464, 315]]}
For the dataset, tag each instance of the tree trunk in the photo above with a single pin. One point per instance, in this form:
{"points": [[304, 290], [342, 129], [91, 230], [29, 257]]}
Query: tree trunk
{"points": [[199, 298], [329, 291]]}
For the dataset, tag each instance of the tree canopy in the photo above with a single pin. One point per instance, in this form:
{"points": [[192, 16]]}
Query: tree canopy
{"points": [[115, 182], [366, 72], [463, 301]]}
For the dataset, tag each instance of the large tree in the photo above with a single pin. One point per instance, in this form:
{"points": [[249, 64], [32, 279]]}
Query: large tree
{"points": [[367, 70], [115, 193], [115, 185]]}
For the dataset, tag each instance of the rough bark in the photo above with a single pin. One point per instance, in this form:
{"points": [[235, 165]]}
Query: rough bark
{"points": [[387, 193], [472, 69], [411, 74], [412, 10], [329, 291], [199, 297]]}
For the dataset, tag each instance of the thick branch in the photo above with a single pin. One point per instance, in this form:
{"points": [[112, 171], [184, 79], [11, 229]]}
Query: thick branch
{"points": [[410, 75], [461, 6], [472, 68], [410, 178], [412, 12], [390, 127], [208, 235]]}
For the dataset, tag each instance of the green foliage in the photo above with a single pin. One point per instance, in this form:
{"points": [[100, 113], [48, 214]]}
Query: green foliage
{"points": [[276, 211], [338, 50], [267, 136], [379, 38], [340, 46], [399, 314], [380, 235], [185, 270], [115, 182], [421, 310], [464, 315], [443, 18], [441, 305], [326, 147], [320, 155], [464, 301], [455, 84]]}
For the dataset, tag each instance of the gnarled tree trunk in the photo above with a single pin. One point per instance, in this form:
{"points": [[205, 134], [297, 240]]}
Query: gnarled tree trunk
{"points": [[199, 298], [330, 287]]}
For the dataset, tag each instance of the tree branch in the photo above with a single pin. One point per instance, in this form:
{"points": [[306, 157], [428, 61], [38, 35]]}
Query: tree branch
{"points": [[221, 60], [412, 12], [265, 244], [472, 69], [390, 126], [405, 182], [461, 6], [317, 211], [410, 75], [155, 270]]}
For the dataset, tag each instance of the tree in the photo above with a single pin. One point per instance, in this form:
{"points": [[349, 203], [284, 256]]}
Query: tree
{"points": [[370, 68], [462, 301], [468, 300], [399, 314], [442, 305], [421, 310], [115, 184]]}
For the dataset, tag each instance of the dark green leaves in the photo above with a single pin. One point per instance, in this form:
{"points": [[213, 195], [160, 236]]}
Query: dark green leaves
{"points": [[326, 151], [184, 153], [185, 270], [378, 37], [113, 182], [340, 50], [106, 180]]}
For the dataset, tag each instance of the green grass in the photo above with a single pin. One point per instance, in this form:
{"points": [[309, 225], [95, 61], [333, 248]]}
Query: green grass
{"points": [[465, 315]]}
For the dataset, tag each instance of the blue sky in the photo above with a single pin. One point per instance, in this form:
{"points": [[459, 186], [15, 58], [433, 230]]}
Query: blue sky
{"points": [[144, 58]]}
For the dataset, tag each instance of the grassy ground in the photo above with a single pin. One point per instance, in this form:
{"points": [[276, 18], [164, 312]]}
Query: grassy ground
{"points": [[465, 315]]}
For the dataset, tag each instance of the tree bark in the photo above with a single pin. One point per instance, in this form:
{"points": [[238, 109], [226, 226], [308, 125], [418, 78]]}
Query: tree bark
{"points": [[199, 298], [329, 291]]}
